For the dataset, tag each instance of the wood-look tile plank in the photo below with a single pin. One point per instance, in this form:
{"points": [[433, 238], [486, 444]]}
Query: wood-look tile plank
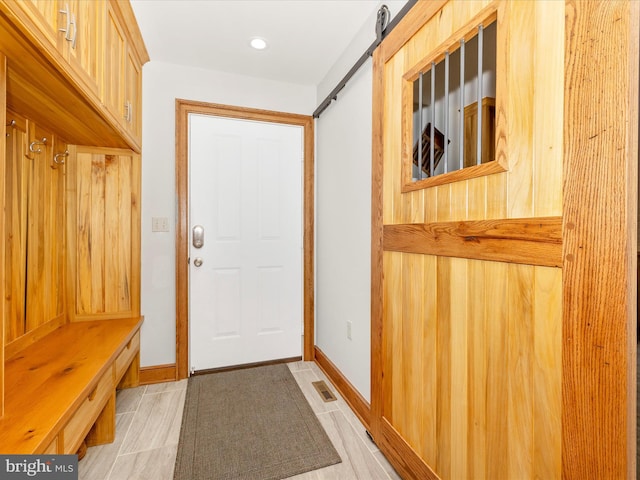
{"points": [[156, 423], [127, 400], [166, 387], [156, 464], [357, 461], [98, 462]]}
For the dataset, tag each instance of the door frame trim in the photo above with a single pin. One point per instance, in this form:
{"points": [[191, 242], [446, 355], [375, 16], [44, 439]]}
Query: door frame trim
{"points": [[183, 109]]}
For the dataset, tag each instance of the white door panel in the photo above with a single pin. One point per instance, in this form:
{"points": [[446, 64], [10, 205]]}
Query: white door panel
{"points": [[245, 300]]}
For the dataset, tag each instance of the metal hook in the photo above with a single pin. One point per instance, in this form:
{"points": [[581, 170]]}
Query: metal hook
{"points": [[56, 157], [37, 142], [12, 123]]}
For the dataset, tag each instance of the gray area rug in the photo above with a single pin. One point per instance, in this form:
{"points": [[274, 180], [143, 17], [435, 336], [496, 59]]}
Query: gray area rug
{"points": [[252, 424]]}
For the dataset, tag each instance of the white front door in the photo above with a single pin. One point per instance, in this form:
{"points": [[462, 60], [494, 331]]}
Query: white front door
{"points": [[245, 281]]}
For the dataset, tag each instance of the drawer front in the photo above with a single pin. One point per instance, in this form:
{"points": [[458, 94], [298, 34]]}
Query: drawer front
{"points": [[80, 424], [125, 357]]}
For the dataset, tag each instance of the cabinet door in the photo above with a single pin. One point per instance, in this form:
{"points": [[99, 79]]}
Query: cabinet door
{"points": [[46, 15], [114, 58], [133, 98], [104, 232], [84, 50]]}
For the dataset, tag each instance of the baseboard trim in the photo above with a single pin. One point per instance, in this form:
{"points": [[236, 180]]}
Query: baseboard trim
{"points": [[400, 454], [355, 400], [158, 374]]}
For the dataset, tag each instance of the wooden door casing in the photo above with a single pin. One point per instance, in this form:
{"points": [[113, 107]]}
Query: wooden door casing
{"points": [[474, 362]]}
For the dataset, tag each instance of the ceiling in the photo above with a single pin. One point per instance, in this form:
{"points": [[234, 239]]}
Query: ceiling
{"points": [[305, 37]]}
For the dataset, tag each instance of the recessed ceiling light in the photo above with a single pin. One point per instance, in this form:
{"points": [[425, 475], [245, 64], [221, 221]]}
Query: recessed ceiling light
{"points": [[258, 43]]}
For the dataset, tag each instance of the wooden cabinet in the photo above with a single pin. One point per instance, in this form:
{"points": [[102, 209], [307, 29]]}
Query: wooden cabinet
{"points": [[74, 29], [70, 69], [94, 45]]}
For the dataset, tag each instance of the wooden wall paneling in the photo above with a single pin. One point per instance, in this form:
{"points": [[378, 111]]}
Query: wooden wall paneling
{"points": [[519, 105], [459, 367], [17, 168], [429, 364], [98, 243], [104, 223], [409, 419], [519, 371], [547, 373], [395, 361], [477, 371], [3, 112], [600, 244], [497, 447], [442, 465], [548, 109], [46, 236]]}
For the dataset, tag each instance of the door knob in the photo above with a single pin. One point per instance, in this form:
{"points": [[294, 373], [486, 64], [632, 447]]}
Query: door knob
{"points": [[197, 262]]}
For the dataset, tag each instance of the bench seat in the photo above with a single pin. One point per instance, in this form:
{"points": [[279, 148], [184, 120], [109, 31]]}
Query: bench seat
{"points": [[62, 387]]}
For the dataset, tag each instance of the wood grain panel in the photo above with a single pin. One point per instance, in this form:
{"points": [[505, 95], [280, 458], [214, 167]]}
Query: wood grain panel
{"points": [[548, 115], [477, 379], [3, 111], [478, 278], [459, 367], [519, 370], [46, 235], [599, 205], [547, 373], [17, 172], [520, 88], [104, 223], [496, 285], [528, 241]]}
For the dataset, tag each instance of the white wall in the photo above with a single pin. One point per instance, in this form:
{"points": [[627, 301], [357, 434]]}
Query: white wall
{"points": [[162, 84], [343, 214]]}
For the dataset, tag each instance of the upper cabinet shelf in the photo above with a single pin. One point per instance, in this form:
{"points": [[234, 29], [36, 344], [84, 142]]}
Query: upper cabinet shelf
{"points": [[76, 65]]}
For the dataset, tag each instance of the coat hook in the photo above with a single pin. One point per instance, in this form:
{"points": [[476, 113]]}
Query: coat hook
{"points": [[37, 142], [12, 123], [56, 158]]}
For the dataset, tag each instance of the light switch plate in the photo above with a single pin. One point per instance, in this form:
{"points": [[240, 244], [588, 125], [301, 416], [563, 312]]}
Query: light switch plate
{"points": [[159, 224]]}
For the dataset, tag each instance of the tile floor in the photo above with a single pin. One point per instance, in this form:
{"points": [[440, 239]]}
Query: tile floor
{"points": [[148, 427]]}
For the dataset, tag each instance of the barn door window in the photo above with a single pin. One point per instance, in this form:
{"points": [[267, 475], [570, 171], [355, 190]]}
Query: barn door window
{"points": [[448, 134]]}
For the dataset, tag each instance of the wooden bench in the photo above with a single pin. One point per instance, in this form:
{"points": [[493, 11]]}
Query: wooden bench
{"points": [[62, 388]]}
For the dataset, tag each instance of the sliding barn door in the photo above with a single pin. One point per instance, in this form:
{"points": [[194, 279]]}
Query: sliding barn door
{"points": [[484, 361]]}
